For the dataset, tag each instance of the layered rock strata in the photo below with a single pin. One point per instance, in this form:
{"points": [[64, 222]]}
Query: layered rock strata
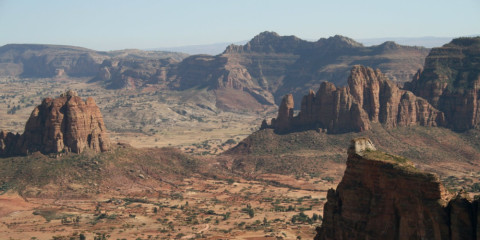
{"points": [[66, 123], [450, 81], [369, 97], [383, 196]]}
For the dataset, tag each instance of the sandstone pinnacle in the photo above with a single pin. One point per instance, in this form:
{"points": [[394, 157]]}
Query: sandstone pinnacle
{"points": [[66, 123]]}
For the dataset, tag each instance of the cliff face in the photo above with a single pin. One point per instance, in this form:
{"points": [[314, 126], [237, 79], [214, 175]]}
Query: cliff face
{"points": [[66, 123], [35, 60], [9, 143], [450, 81], [43, 60], [383, 196], [266, 68], [369, 97], [134, 73], [287, 64]]}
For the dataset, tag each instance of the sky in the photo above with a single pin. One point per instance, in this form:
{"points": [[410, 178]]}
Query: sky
{"points": [[146, 24]]}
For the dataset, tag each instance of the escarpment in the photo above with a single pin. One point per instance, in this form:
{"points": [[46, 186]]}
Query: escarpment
{"points": [[383, 196], [369, 97], [66, 123], [450, 80]]}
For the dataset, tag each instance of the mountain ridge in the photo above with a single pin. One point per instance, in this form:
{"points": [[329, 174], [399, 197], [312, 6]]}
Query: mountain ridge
{"points": [[262, 70]]}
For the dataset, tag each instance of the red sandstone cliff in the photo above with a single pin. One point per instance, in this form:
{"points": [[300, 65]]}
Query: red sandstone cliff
{"points": [[369, 97], [66, 123], [383, 196]]}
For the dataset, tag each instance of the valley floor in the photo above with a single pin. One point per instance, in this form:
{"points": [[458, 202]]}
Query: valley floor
{"points": [[194, 209], [151, 117]]}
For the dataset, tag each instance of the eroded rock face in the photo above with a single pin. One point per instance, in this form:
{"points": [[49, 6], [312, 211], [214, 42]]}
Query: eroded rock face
{"points": [[450, 81], [265, 69], [369, 97], [285, 113], [383, 196], [9, 143], [134, 73], [66, 123]]}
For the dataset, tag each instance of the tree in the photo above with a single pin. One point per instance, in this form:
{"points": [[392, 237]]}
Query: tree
{"points": [[251, 213]]}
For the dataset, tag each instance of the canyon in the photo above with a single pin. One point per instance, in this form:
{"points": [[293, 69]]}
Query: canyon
{"points": [[271, 182]]}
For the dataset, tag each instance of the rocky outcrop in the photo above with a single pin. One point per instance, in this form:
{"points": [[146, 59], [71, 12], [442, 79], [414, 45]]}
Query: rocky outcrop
{"points": [[383, 196], [66, 123], [369, 97], [285, 114], [450, 81], [9, 143]]}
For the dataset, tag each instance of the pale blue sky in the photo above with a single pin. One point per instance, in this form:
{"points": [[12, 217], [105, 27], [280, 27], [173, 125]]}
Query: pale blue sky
{"points": [[117, 24]]}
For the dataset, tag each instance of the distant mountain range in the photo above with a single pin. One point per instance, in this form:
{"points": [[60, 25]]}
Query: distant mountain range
{"points": [[267, 67], [243, 77], [217, 48]]}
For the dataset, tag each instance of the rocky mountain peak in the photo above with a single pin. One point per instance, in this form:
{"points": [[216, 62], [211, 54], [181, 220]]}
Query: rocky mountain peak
{"points": [[389, 45], [339, 40], [265, 36], [269, 42], [466, 42]]}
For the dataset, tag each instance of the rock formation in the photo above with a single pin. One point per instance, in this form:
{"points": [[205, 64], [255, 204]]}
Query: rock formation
{"points": [[287, 64], [383, 196], [134, 73], [66, 123], [369, 97], [9, 143], [450, 81]]}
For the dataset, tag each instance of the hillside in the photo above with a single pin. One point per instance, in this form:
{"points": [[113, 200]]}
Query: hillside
{"points": [[43, 60], [438, 150], [161, 192]]}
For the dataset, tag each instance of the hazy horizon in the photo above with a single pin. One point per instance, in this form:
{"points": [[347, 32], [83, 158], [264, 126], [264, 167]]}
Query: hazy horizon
{"points": [[114, 25]]}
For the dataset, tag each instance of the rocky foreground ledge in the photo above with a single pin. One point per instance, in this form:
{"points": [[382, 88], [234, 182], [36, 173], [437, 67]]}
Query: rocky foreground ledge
{"points": [[383, 196], [64, 124]]}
